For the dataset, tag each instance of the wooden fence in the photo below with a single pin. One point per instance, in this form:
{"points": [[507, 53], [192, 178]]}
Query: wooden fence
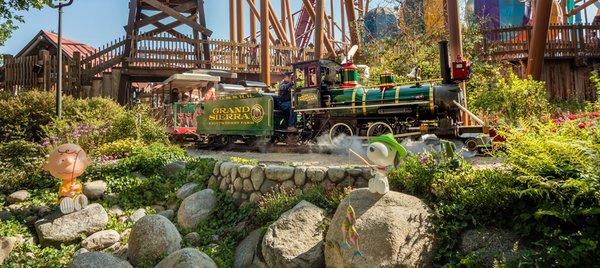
{"points": [[564, 41]]}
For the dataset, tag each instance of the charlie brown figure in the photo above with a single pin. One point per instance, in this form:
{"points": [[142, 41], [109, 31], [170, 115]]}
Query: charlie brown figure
{"points": [[67, 162]]}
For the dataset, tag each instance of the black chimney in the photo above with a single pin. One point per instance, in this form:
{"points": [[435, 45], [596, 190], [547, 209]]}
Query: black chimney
{"points": [[444, 64]]}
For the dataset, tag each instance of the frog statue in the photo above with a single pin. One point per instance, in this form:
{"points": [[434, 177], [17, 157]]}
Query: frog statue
{"points": [[66, 163], [385, 152]]}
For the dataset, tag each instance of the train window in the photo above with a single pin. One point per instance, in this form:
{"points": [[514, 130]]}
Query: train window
{"points": [[312, 76], [300, 79]]}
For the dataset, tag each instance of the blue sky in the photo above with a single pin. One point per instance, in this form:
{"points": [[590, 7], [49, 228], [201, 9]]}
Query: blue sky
{"points": [[97, 22]]}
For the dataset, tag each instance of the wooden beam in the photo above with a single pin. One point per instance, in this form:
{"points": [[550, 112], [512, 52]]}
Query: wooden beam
{"points": [[313, 14], [169, 28], [205, 45], [252, 23], [160, 6], [265, 55], [351, 15], [290, 22], [537, 49], [232, 26], [580, 8], [279, 31], [343, 15], [319, 28], [185, 7], [240, 21], [254, 11]]}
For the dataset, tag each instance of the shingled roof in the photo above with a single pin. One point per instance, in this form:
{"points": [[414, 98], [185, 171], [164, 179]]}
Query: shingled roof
{"points": [[69, 46]]}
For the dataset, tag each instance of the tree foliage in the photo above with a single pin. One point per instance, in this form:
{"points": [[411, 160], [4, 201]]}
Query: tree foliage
{"points": [[9, 15]]}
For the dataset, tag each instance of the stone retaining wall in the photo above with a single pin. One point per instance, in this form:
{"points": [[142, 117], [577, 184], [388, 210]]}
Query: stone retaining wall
{"points": [[249, 183]]}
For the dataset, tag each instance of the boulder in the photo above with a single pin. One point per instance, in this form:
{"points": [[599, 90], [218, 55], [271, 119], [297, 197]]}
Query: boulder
{"points": [[7, 245], [101, 240], [348, 182], [5, 215], [245, 171], [247, 250], [296, 238], [80, 251], [187, 190], [238, 184], [118, 250], [492, 246], [279, 173], [193, 239], [58, 229], [169, 214], [116, 211], [196, 208], [187, 258], [247, 186], [137, 215], [287, 186], [217, 169], [18, 197], [94, 189], [213, 182], [172, 169], [268, 186], [257, 176], [233, 173], [157, 208], [224, 185], [226, 168], [361, 183], [255, 197], [316, 174], [96, 260], [300, 176], [336, 174], [355, 172], [152, 238], [395, 231]]}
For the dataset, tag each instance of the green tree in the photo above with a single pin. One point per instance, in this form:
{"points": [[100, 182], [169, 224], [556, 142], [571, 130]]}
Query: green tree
{"points": [[9, 15]]}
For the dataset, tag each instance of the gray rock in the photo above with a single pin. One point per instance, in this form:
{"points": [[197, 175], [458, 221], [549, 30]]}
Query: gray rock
{"points": [[396, 228], [193, 239], [300, 176], [245, 171], [316, 174], [169, 214], [355, 172], [118, 250], [348, 182], [336, 174], [187, 190], [97, 260], [152, 238], [80, 251], [279, 173], [18, 197], [257, 176], [172, 169], [287, 185], [308, 185], [116, 211], [233, 173], [196, 208], [226, 168], [187, 258], [213, 183], [238, 184], [58, 229], [137, 215], [255, 197], [125, 234], [5, 215], [492, 246], [224, 185], [268, 186], [94, 189], [296, 238], [247, 186], [361, 183], [247, 250], [101, 240], [7, 245], [173, 205], [217, 168]]}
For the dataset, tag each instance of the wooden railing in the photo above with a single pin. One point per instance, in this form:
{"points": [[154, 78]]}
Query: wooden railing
{"points": [[564, 41]]}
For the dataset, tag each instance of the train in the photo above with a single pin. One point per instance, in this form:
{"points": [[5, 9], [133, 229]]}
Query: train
{"points": [[329, 101]]}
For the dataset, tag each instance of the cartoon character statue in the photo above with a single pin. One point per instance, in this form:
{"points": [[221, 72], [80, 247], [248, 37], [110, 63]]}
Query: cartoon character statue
{"points": [[67, 162], [385, 152]]}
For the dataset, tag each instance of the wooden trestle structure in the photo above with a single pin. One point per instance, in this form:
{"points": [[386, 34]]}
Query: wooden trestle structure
{"points": [[164, 37]]}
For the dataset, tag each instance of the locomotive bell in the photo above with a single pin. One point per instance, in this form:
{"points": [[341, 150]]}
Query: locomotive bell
{"points": [[349, 75]]}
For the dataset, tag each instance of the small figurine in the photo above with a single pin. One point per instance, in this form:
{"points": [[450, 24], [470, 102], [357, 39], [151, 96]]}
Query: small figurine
{"points": [[67, 162], [385, 152], [349, 231]]}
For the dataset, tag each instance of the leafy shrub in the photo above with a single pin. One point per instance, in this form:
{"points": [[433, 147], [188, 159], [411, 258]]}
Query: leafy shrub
{"points": [[151, 159], [118, 149], [20, 167], [510, 98], [22, 117], [138, 123]]}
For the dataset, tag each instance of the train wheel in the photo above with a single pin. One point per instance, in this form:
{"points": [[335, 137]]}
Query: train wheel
{"points": [[378, 129], [338, 132], [471, 144]]}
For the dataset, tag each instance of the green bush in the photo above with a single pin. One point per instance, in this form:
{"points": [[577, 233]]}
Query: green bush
{"points": [[22, 118], [118, 149], [510, 98], [20, 167]]}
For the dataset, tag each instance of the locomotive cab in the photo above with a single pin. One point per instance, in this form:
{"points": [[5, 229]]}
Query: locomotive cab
{"points": [[313, 81]]}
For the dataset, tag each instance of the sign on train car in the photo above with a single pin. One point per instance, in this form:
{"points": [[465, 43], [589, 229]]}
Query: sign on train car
{"points": [[243, 117]]}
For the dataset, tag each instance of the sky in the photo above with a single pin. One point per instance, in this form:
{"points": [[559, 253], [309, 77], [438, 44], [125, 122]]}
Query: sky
{"points": [[97, 22]]}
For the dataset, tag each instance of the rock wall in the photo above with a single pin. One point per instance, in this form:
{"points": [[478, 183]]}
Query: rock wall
{"points": [[250, 183]]}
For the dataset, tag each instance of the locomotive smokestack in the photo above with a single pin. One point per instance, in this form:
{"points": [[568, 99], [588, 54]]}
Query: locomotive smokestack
{"points": [[444, 64]]}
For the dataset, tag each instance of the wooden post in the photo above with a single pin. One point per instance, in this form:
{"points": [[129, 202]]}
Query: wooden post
{"points": [[205, 45], [75, 75], [252, 24], [319, 28], [107, 85], [343, 15], [265, 55], [232, 14], [8, 74], [454, 31], [96, 87], [47, 69], [312, 13], [240, 30], [115, 81], [290, 23], [535, 61], [352, 24]]}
